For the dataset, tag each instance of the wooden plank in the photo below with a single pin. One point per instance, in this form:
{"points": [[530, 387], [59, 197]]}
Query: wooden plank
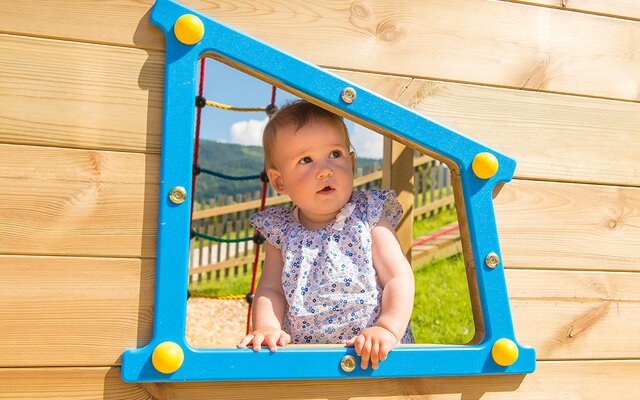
{"points": [[615, 8], [552, 380], [569, 226], [64, 311], [125, 23], [591, 286], [55, 93], [494, 43], [79, 109], [431, 254], [67, 383], [87, 311], [580, 315], [73, 111], [552, 137], [78, 202]]}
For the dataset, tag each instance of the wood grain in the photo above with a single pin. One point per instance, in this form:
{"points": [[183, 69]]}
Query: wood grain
{"points": [[55, 93], [63, 311], [78, 95], [580, 315], [86, 311], [78, 202], [570, 132], [569, 226], [552, 137], [552, 380], [493, 43]]}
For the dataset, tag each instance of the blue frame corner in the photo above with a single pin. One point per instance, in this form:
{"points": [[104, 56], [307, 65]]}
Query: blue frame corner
{"points": [[173, 224]]}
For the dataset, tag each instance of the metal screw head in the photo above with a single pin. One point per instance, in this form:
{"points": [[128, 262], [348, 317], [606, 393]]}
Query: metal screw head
{"points": [[178, 195], [492, 260], [348, 363], [349, 95]]}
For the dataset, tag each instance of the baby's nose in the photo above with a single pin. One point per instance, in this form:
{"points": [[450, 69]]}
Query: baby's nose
{"points": [[324, 172]]}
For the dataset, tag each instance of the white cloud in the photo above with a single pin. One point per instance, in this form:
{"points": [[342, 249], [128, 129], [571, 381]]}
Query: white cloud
{"points": [[368, 144], [248, 132]]}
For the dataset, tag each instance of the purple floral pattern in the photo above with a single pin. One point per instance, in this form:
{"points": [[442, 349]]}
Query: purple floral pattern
{"points": [[330, 285]]}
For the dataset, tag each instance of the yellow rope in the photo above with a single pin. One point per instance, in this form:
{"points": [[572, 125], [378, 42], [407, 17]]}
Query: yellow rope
{"points": [[230, 297], [232, 108]]}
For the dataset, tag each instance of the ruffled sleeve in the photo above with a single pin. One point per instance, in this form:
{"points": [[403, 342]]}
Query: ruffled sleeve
{"points": [[271, 223], [383, 202]]}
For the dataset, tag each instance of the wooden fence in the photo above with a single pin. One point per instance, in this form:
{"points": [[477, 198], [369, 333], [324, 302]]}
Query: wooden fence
{"points": [[228, 218]]}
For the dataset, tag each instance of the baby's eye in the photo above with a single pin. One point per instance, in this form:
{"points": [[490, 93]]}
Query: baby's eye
{"points": [[305, 160], [335, 154]]}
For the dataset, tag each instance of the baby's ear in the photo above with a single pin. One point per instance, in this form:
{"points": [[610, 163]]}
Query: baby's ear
{"points": [[352, 154], [275, 178]]}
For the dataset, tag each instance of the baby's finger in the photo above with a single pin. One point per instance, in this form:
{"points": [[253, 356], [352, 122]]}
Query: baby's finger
{"points": [[366, 352], [350, 342], [245, 341], [284, 339], [359, 343], [272, 342], [374, 355], [257, 341]]}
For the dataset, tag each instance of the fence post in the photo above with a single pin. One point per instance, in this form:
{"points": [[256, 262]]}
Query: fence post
{"points": [[397, 174]]}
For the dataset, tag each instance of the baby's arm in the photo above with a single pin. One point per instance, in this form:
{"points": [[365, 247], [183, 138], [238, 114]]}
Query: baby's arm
{"points": [[268, 305], [396, 277]]}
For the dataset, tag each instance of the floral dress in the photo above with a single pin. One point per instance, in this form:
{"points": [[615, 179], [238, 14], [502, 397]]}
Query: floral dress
{"points": [[329, 282]]}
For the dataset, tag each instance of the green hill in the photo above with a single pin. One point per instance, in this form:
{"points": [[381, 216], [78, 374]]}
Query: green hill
{"points": [[234, 160]]}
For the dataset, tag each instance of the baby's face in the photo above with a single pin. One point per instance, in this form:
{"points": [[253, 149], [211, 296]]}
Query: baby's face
{"points": [[315, 168]]}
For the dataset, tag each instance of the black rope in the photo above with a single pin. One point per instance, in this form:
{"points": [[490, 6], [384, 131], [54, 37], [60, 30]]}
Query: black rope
{"points": [[198, 169], [257, 238]]}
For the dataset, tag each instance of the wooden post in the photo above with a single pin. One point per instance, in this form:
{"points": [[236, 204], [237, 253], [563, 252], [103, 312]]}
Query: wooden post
{"points": [[397, 174]]}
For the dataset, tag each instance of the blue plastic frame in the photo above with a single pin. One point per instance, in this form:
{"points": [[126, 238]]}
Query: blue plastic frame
{"points": [[173, 225]]}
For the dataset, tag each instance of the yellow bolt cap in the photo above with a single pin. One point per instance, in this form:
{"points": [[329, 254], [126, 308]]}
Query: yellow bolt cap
{"points": [[167, 357], [484, 165], [189, 29], [504, 352]]}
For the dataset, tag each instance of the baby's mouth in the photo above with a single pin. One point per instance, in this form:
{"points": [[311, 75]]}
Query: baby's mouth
{"points": [[325, 189]]}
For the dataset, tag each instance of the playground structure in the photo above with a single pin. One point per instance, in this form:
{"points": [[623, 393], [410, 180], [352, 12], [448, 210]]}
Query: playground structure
{"points": [[81, 130]]}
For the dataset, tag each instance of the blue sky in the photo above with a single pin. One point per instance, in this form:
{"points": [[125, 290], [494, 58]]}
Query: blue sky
{"points": [[226, 85]]}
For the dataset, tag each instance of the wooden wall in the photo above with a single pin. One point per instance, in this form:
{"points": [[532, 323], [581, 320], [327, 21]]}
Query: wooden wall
{"points": [[555, 84]]}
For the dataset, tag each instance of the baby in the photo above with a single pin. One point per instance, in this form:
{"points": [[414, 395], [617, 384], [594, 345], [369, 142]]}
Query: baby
{"points": [[334, 271]]}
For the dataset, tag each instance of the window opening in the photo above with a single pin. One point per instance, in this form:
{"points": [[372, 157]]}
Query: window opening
{"points": [[222, 249]]}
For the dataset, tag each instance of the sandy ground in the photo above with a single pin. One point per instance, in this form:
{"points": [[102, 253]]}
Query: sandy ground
{"points": [[215, 323]]}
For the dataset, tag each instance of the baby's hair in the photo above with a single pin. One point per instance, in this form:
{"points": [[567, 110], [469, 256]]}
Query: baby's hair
{"points": [[298, 113]]}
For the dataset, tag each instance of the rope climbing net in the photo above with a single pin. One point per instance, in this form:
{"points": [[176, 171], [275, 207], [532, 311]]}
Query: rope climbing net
{"points": [[257, 238]]}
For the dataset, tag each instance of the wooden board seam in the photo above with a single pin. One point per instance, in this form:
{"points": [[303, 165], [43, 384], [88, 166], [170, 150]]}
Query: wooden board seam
{"points": [[464, 82], [575, 10]]}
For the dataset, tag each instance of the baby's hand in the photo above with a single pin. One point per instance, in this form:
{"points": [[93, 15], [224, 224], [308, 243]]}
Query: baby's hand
{"points": [[270, 337], [373, 344]]}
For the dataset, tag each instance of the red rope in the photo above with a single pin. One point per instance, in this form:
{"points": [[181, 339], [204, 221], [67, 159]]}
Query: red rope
{"points": [[256, 258], [196, 149], [273, 95], [193, 182], [434, 236]]}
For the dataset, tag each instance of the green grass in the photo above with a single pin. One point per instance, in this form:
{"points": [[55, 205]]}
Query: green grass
{"points": [[442, 307], [429, 225], [226, 287]]}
